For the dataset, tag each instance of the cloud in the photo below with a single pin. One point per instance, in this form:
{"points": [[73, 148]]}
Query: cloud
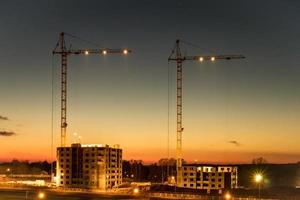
{"points": [[3, 118], [7, 133], [234, 142]]}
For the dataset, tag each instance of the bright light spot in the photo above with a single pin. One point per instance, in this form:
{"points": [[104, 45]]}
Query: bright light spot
{"points": [[173, 177], [41, 195], [104, 52], [258, 178], [86, 52], [227, 196], [8, 169], [136, 190], [201, 59], [125, 51], [212, 58]]}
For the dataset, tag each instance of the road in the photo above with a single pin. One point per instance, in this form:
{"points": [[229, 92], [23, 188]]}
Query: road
{"points": [[7, 194]]}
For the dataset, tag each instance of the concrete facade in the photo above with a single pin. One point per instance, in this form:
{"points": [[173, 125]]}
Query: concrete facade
{"points": [[89, 166], [209, 177]]}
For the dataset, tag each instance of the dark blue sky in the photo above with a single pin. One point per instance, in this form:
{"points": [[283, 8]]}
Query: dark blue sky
{"points": [[236, 100]]}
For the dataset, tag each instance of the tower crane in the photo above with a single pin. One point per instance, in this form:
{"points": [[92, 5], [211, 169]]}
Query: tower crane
{"points": [[64, 52], [177, 56]]}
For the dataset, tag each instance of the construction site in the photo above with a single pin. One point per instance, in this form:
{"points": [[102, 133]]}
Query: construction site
{"points": [[149, 100], [98, 166]]}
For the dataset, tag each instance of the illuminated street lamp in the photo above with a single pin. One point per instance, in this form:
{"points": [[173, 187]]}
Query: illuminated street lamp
{"points": [[227, 196], [9, 170], [136, 190], [41, 195], [258, 179]]}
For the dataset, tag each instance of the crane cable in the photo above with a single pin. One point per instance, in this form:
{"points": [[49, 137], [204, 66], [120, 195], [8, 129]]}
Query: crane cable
{"points": [[52, 115], [168, 139], [82, 39], [199, 47]]}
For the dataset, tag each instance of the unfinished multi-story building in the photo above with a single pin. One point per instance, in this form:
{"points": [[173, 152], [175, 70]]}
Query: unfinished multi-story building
{"points": [[209, 177], [89, 166]]}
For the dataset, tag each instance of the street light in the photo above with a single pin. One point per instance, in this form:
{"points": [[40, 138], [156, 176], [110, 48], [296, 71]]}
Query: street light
{"points": [[258, 179], [227, 195], [136, 190], [41, 195]]}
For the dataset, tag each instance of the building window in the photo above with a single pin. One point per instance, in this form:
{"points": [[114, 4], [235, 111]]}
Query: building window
{"points": [[191, 185], [191, 179]]}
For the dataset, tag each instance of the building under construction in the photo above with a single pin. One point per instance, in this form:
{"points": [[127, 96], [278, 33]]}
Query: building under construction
{"points": [[209, 177], [89, 166]]}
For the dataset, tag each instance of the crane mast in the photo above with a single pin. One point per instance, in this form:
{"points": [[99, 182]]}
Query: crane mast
{"points": [[177, 56], [64, 52]]}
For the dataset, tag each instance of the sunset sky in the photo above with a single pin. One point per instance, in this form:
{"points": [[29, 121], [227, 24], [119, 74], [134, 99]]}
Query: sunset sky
{"points": [[233, 112]]}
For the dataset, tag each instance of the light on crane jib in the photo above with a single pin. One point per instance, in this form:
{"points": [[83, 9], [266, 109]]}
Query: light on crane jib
{"points": [[86, 52], [125, 51]]}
